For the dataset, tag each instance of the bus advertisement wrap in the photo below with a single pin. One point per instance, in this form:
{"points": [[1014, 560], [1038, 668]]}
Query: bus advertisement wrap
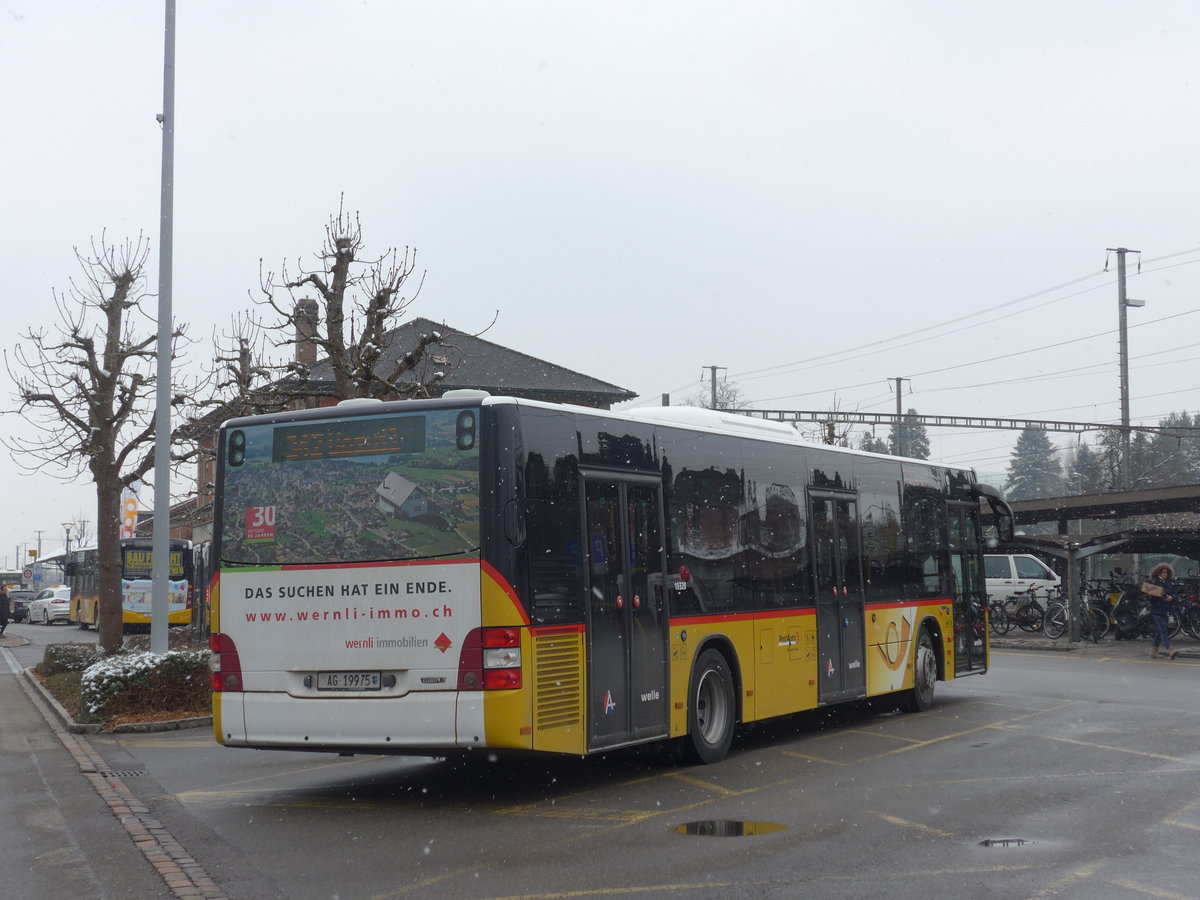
{"points": [[355, 616]]}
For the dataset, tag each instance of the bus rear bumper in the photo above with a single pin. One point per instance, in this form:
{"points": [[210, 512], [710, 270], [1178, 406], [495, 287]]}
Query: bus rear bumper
{"points": [[449, 719]]}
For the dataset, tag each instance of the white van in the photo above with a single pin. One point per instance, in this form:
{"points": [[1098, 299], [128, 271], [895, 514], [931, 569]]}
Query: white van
{"points": [[1009, 573]]}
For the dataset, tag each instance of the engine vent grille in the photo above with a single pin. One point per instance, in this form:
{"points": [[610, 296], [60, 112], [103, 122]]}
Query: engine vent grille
{"points": [[558, 675]]}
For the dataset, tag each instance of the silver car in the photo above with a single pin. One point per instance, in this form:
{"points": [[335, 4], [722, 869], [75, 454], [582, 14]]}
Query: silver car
{"points": [[50, 605]]}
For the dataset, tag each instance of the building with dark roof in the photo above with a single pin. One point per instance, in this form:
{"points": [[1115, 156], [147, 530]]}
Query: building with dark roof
{"points": [[467, 361]]}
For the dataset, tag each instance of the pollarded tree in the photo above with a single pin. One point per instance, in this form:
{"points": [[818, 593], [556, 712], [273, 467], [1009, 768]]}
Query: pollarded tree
{"points": [[729, 396], [1033, 469], [358, 301], [90, 384], [244, 380], [913, 439]]}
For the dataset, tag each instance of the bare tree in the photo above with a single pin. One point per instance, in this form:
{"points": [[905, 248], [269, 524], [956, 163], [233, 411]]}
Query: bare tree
{"points": [[89, 383], [358, 299], [81, 530], [244, 379], [729, 396]]}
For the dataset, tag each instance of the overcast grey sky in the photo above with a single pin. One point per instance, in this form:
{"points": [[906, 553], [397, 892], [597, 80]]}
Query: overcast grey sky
{"points": [[817, 197]]}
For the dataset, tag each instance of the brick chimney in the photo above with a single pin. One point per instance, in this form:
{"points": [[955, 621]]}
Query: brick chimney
{"points": [[306, 329]]}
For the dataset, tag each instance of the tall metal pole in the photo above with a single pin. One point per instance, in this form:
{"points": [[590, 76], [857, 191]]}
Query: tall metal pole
{"points": [[1123, 320], [1123, 303], [713, 380], [899, 417], [161, 566]]}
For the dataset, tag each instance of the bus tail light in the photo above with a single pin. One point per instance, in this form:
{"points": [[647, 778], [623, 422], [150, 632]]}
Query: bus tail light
{"points": [[225, 665], [490, 660]]}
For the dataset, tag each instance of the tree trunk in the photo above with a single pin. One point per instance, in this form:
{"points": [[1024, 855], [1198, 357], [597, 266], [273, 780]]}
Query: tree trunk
{"points": [[109, 618]]}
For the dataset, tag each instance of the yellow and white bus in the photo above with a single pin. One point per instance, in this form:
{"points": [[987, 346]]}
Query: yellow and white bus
{"points": [[137, 557], [486, 572]]}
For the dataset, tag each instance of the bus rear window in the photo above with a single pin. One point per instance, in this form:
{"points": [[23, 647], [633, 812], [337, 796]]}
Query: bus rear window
{"points": [[353, 489]]}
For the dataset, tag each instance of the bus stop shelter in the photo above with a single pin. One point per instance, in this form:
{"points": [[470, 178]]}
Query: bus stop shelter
{"points": [[1155, 521]]}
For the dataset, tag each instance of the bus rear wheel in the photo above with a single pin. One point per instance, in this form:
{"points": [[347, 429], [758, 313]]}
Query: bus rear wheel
{"points": [[924, 673], [712, 709]]}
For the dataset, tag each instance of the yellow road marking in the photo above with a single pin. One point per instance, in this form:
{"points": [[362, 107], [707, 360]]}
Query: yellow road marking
{"points": [[708, 885], [1085, 873], [1150, 891], [895, 820], [428, 882], [356, 761], [816, 759], [879, 734], [1173, 819], [707, 785], [1095, 746]]}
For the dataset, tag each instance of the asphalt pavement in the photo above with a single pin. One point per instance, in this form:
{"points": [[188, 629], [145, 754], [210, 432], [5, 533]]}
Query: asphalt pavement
{"points": [[72, 827]]}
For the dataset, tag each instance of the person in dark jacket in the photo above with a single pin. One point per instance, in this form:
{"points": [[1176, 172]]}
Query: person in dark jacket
{"points": [[1162, 602], [5, 610]]}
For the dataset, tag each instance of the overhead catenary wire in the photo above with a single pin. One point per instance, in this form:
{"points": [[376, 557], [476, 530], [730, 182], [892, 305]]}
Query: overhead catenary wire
{"points": [[937, 331], [841, 355], [978, 362]]}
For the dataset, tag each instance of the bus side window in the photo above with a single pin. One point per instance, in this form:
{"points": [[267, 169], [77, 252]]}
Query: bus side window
{"points": [[555, 562]]}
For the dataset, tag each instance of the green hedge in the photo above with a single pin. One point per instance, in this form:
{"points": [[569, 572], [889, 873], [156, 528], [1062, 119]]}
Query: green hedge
{"points": [[145, 682], [73, 657]]}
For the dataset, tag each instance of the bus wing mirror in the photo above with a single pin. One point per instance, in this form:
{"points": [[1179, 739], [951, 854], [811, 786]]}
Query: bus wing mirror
{"points": [[1001, 511]]}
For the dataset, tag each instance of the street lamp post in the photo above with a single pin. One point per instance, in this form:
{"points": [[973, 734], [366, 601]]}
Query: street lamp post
{"points": [[67, 528]]}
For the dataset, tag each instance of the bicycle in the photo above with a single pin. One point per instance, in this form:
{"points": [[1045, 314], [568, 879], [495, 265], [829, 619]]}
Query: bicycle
{"points": [[1189, 617], [1025, 612], [1093, 620], [998, 620]]}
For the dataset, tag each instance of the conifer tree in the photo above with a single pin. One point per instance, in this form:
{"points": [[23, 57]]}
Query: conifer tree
{"points": [[1082, 472], [914, 442], [872, 444], [1177, 449], [1034, 469]]}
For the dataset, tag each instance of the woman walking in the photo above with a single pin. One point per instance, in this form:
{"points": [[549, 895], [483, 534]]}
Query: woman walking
{"points": [[1162, 592]]}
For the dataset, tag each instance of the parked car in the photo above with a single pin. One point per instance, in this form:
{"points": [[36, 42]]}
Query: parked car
{"points": [[51, 605], [18, 603], [1011, 573]]}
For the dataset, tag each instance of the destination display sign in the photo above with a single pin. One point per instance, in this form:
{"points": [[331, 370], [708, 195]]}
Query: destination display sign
{"points": [[349, 438]]}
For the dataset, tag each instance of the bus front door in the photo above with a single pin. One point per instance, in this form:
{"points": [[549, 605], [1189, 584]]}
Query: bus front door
{"points": [[840, 601], [970, 592], [626, 614]]}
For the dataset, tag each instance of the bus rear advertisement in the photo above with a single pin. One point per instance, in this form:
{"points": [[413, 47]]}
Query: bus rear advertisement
{"points": [[482, 572], [137, 559]]}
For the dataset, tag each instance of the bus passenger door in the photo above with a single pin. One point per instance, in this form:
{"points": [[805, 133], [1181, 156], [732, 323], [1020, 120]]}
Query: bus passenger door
{"points": [[969, 590], [841, 657], [626, 612]]}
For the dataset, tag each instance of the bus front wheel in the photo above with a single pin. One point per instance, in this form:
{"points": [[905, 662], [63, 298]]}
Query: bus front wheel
{"points": [[712, 709]]}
